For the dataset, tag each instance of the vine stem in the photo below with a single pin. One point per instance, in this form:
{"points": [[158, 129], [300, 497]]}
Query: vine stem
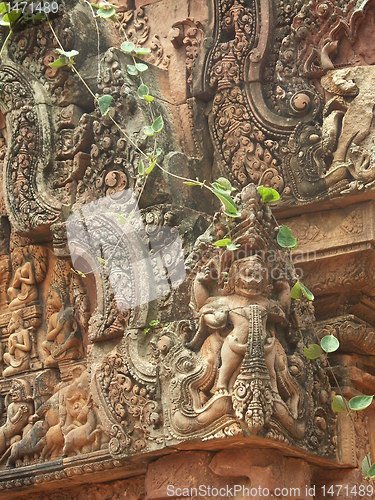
{"points": [[5, 43], [97, 32], [338, 385], [127, 137]]}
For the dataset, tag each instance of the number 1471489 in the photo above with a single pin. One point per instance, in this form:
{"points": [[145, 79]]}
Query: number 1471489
{"points": [[346, 491], [33, 8]]}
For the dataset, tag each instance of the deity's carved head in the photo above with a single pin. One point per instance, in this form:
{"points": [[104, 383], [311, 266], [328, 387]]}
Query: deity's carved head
{"points": [[19, 391], [16, 321], [249, 276], [17, 258]]}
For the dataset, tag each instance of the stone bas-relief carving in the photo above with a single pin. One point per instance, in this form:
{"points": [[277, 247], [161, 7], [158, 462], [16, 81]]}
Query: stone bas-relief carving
{"points": [[297, 110], [66, 424], [236, 369], [88, 385], [19, 346]]}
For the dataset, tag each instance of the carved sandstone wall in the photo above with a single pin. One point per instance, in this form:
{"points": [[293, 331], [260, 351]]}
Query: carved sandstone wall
{"points": [[135, 355]]}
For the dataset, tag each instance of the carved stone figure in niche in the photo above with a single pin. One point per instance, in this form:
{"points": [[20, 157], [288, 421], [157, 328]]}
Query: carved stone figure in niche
{"points": [[64, 333], [225, 321], [240, 365], [348, 126], [19, 408], [66, 423], [23, 290], [19, 346]]}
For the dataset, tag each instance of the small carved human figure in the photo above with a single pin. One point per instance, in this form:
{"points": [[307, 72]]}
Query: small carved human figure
{"points": [[19, 408], [23, 290], [64, 336], [19, 344]]}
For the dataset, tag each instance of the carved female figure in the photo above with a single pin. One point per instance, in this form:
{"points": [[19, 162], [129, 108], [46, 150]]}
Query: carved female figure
{"points": [[23, 290], [19, 344], [64, 337]]}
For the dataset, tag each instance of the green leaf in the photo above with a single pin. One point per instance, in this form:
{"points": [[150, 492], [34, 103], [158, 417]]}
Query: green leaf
{"points": [[3, 7], [154, 322], [285, 238], [10, 17], [146, 330], [158, 124], [141, 51], [299, 290], [338, 404], [192, 183], [59, 63], [268, 195], [141, 168], [149, 131], [366, 465], [148, 98], [101, 260], [141, 67], [359, 403], [329, 343], [121, 218], [69, 54], [225, 199], [105, 13], [4, 20], [306, 292], [151, 167], [158, 152], [222, 243], [296, 292], [314, 351], [225, 184], [127, 47], [104, 103], [232, 247], [35, 17], [166, 324], [132, 70], [371, 472], [142, 91], [234, 215]]}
